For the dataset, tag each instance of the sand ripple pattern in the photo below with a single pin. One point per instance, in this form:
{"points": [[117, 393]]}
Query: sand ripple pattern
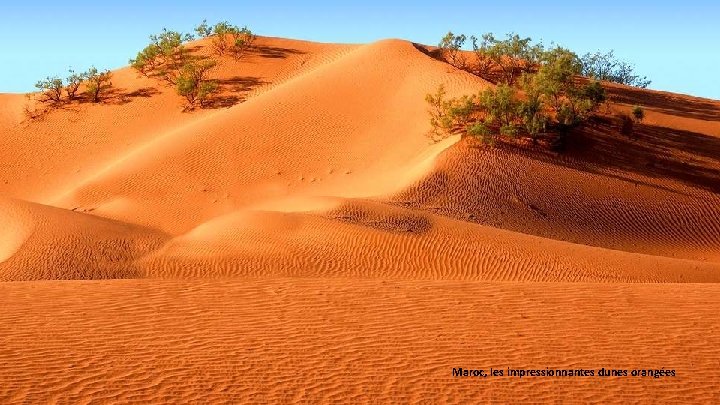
{"points": [[323, 341]]}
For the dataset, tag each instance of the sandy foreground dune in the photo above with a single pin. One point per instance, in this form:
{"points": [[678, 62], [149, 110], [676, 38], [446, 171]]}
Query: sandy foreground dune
{"points": [[302, 241], [327, 340]]}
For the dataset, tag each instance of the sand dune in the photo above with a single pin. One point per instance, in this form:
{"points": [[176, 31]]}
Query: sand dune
{"points": [[301, 240], [259, 149], [47, 243], [80, 140], [366, 239], [178, 171], [566, 198], [329, 340]]}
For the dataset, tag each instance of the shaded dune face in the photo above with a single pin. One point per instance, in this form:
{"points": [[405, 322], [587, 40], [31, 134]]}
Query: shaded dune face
{"points": [[313, 154], [570, 199]]}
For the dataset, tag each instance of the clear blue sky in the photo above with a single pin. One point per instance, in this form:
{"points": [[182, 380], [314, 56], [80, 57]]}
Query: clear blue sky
{"points": [[676, 45]]}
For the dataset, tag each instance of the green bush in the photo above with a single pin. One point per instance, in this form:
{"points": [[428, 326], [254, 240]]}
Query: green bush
{"points": [[165, 50], [513, 55], [97, 82], [439, 118], [203, 29], [483, 62], [51, 87], [548, 98], [638, 114], [193, 83], [595, 92], [604, 66], [450, 47], [533, 115], [227, 38], [166, 57], [506, 60], [500, 107], [482, 132], [72, 84]]}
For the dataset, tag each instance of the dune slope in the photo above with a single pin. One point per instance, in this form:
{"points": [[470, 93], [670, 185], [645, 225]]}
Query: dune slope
{"points": [[341, 129], [47, 243]]}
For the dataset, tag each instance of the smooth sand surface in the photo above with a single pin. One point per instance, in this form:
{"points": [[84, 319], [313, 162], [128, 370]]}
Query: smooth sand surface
{"points": [[301, 240]]}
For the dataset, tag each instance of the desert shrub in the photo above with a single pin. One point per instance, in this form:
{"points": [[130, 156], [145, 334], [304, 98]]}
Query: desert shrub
{"points": [[533, 114], [450, 46], [227, 38], [481, 131], [557, 86], [604, 66], [146, 60], [203, 30], [72, 83], [436, 109], [441, 119], [506, 60], [193, 83], [96, 83], [451, 116], [51, 87], [513, 55], [483, 62], [165, 51], [549, 101], [460, 112], [540, 94], [638, 113], [491, 113], [626, 125], [595, 92], [242, 41], [500, 107], [555, 79]]}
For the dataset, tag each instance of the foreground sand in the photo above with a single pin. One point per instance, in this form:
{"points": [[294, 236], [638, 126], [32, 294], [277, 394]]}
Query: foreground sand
{"points": [[302, 241], [319, 341]]}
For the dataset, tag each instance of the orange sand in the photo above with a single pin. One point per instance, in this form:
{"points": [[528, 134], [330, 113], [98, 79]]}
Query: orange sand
{"points": [[301, 240]]}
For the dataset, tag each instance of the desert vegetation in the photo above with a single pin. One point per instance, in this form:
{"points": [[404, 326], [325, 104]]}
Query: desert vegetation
{"points": [[97, 81], [504, 60], [226, 38], [166, 57], [638, 113], [164, 54], [192, 82], [540, 93], [451, 46], [54, 92], [605, 67]]}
